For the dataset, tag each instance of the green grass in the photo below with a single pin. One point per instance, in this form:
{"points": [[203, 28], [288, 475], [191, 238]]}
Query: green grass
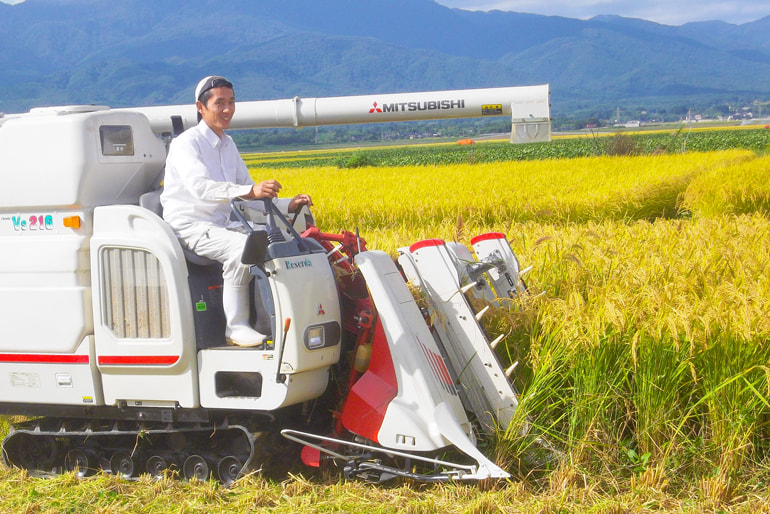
{"points": [[756, 139]]}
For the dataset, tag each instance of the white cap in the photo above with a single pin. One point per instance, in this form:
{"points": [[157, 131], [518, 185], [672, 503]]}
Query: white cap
{"points": [[211, 82]]}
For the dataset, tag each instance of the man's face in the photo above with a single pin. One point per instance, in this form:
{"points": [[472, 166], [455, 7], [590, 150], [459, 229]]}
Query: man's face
{"points": [[219, 109]]}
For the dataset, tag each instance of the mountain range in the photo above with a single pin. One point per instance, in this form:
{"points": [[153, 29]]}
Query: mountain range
{"points": [[139, 52]]}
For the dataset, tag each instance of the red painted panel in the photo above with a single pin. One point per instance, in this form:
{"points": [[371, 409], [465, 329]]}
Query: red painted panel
{"points": [[370, 396]]}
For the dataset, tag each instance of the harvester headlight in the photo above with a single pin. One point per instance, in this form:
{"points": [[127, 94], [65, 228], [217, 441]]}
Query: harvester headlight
{"points": [[322, 335], [315, 337]]}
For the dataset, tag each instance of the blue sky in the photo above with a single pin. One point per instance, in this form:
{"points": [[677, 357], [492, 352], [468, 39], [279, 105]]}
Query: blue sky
{"points": [[669, 12]]}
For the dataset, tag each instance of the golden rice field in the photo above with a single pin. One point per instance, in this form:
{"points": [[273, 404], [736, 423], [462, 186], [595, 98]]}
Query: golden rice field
{"points": [[644, 341], [399, 205], [646, 338]]}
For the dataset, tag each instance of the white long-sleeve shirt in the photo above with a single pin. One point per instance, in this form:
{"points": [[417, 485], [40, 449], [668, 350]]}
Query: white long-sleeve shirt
{"points": [[203, 173]]}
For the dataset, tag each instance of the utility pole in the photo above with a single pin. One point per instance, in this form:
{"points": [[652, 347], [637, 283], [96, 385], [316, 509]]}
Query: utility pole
{"points": [[759, 107]]}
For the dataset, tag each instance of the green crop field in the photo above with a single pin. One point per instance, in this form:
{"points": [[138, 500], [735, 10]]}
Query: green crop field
{"points": [[643, 343]]}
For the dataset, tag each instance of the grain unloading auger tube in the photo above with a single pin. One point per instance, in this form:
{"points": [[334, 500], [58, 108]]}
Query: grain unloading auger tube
{"points": [[528, 107]]}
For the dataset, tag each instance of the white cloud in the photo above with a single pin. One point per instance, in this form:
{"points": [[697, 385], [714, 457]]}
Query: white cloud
{"points": [[670, 12]]}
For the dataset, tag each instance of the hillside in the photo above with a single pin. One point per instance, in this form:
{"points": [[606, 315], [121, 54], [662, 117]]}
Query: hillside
{"points": [[135, 52]]}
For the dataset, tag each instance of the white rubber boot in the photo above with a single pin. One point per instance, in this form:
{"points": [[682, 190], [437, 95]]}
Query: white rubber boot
{"points": [[235, 300]]}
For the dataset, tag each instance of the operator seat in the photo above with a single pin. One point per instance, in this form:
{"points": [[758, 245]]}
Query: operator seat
{"points": [[151, 202]]}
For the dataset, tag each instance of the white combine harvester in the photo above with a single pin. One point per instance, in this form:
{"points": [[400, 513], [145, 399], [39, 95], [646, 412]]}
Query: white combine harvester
{"points": [[112, 338]]}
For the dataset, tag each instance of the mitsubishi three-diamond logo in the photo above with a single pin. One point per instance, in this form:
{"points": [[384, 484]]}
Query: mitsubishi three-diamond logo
{"points": [[374, 108]]}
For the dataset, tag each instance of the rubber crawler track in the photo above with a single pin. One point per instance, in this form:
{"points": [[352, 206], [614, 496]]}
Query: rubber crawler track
{"points": [[129, 448]]}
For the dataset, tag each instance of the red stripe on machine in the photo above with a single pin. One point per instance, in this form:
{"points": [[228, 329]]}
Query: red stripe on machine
{"points": [[440, 371], [32, 358], [138, 360], [426, 244], [487, 237]]}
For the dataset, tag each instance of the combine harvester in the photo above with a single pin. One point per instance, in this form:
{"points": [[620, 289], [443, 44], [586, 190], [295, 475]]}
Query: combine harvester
{"points": [[112, 337]]}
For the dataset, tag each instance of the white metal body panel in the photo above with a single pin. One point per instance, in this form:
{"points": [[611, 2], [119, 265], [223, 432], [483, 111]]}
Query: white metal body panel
{"points": [[294, 388], [478, 371], [530, 131], [486, 468], [57, 159], [292, 371], [320, 305], [142, 364], [423, 381], [51, 378], [531, 119], [464, 260], [505, 279], [44, 281]]}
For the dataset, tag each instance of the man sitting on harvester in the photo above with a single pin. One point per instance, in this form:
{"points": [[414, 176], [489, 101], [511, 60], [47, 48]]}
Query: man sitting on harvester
{"points": [[204, 171]]}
